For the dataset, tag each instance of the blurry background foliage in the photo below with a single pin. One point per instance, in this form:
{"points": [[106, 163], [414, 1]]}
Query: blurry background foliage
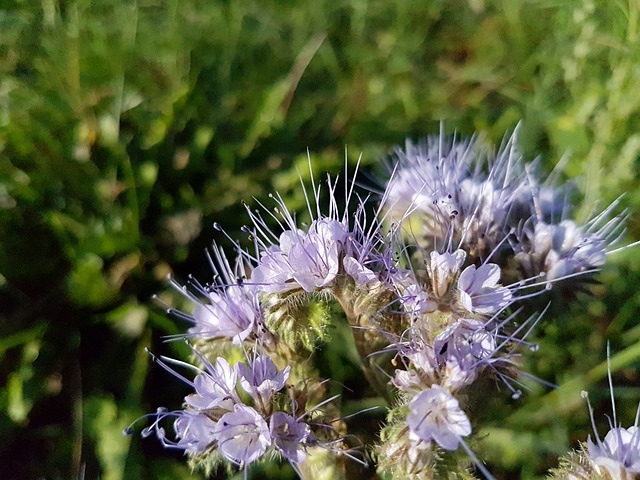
{"points": [[127, 128]]}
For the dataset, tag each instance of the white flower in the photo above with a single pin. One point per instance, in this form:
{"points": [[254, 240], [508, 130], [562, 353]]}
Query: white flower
{"points": [[465, 347], [436, 415], [443, 269]]}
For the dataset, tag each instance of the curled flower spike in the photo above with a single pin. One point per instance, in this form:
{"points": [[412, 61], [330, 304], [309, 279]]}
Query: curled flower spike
{"points": [[220, 419], [443, 183], [310, 259], [449, 193], [563, 249]]}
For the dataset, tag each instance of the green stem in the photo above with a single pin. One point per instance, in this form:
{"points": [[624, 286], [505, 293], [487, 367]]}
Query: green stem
{"points": [[363, 309]]}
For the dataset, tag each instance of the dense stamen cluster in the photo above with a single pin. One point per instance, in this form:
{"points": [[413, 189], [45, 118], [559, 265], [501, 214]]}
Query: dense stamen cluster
{"points": [[433, 281]]}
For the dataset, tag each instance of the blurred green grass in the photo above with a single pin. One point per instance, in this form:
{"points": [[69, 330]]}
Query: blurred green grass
{"points": [[128, 128]]}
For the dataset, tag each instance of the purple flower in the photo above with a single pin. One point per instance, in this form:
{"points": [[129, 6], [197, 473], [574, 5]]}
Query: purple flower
{"points": [[242, 435], [362, 276], [489, 207], [561, 249], [479, 290], [407, 381], [228, 307], [316, 260], [416, 301], [232, 312], [445, 184], [274, 273], [464, 348], [195, 431], [290, 436], [261, 379], [466, 337], [425, 178], [436, 415], [421, 357], [214, 387], [619, 452], [308, 260]]}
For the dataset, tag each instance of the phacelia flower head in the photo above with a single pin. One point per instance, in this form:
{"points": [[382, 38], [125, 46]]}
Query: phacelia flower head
{"points": [[310, 258], [449, 190], [219, 418], [561, 250], [428, 276], [443, 184]]}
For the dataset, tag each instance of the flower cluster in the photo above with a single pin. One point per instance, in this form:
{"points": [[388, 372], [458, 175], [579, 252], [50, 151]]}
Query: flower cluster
{"points": [[433, 280], [444, 191], [241, 412]]}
